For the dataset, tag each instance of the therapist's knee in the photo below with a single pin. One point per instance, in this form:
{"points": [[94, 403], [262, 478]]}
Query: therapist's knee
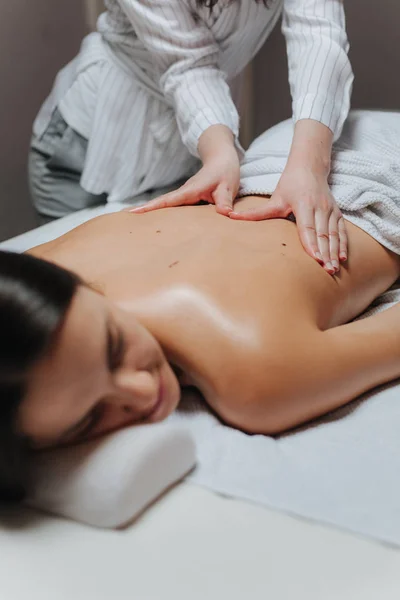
{"points": [[56, 192]]}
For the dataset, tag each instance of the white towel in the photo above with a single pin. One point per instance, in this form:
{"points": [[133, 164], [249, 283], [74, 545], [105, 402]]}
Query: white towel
{"points": [[365, 175]]}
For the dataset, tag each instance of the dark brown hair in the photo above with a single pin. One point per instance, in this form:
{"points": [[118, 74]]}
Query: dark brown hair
{"points": [[34, 298]]}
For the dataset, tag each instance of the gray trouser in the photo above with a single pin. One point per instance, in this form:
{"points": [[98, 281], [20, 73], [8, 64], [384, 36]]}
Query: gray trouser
{"points": [[56, 162]]}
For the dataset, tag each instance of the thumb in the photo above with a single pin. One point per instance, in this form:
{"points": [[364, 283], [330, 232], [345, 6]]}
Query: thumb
{"points": [[274, 208], [223, 199]]}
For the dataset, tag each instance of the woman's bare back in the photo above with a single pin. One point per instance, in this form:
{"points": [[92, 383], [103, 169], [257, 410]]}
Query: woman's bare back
{"points": [[240, 266], [217, 293]]}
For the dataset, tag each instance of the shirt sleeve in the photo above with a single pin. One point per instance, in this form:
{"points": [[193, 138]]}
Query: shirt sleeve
{"points": [[186, 57], [320, 73]]}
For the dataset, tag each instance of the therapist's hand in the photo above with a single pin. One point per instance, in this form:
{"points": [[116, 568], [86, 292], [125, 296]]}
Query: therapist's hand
{"points": [[217, 182], [304, 191], [319, 221]]}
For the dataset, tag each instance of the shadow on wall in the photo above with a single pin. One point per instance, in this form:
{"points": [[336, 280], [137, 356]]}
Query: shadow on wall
{"points": [[373, 30], [36, 39]]}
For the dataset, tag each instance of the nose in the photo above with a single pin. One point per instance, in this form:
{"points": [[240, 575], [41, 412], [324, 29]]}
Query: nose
{"points": [[138, 390]]}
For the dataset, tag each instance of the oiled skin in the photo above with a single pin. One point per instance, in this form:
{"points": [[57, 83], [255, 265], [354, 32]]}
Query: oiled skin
{"points": [[242, 309]]}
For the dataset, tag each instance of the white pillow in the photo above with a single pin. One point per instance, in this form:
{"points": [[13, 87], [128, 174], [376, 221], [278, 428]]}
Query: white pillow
{"points": [[108, 482]]}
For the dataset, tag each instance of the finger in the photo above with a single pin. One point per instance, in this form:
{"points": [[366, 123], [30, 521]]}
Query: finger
{"points": [[343, 244], [223, 199], [165, 201], [305, 220], [322, 229], [175, 198], [274, 208], [334, 240], [129, 208]]}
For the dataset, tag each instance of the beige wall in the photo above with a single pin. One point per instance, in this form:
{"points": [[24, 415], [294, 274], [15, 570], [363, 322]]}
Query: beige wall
{"points": [[36, 38], [373, 28]]}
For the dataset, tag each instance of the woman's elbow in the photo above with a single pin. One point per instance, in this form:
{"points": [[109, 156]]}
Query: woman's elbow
{"points": [[259, 412]]}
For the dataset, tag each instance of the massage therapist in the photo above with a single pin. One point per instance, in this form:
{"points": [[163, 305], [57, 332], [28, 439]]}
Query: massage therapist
{"points": [[152, 93]]}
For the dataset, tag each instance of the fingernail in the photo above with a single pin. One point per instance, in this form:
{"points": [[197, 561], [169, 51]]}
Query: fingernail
{"points": [[343, 257], [328, 266], [335, 265], [318, 256]]}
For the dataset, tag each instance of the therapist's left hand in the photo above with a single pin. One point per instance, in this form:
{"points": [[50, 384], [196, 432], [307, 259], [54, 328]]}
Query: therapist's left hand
{"points": [[320, 223]]}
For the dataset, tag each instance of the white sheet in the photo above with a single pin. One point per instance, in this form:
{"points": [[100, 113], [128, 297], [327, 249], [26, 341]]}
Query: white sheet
{"points": [[193, 545], [342, 470]]}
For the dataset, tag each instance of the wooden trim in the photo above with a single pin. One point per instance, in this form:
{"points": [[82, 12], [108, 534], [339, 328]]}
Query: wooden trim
{"points": [[92, 10]]}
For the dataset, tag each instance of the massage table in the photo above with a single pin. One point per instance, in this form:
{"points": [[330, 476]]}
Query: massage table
{"points": [[191, 544]]}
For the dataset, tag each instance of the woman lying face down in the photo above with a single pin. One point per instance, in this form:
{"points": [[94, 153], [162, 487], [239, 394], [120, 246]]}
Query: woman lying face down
{"points": [[96, 324]]}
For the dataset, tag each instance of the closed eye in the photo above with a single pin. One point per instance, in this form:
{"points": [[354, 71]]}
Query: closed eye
{"points": [[90, 422], [85, 426], [115, 348]]}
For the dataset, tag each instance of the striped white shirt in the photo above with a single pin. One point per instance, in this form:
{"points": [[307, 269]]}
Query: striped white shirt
{"points": [[158, 73]]}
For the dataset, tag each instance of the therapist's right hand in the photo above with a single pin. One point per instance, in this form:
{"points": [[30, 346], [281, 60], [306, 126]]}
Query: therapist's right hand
{"points": [[217, 182]]}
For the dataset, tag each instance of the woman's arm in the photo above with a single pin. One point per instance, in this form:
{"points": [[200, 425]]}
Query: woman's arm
{"points": [[320, 78], [320, 73], [186, 56], [320, 223], [316, 361], [332, 369]]}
